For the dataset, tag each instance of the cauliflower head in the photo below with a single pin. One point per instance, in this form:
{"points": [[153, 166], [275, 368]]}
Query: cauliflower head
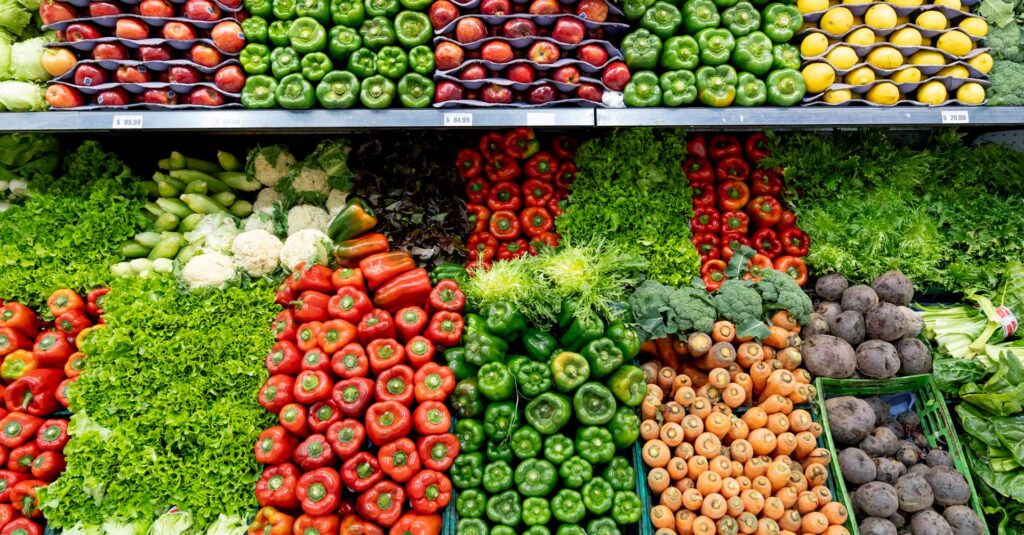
{"points": [[265, 200], [269, 165], [311, 180], [208, 270], [309, 245], [214, 233], [336, 200], [306, 216], [257, 252]]}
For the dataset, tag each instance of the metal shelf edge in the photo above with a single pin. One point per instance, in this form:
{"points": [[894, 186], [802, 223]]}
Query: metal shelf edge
{"points": [[812, 117]]}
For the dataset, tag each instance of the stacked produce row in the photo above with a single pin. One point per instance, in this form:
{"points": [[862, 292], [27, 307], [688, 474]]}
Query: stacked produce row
{"points": [[24, 62]]}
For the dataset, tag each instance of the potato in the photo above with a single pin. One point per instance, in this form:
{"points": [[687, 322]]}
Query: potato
{"points": [[889, 471], [877, 359], [856, 466], [831, 287], [895, 427], [919, 468], [829, 310], [963, 520], [929, 523], [894, 287], [884, 322], [939, 458], [909, 454], [913, 324], [909, 419], [816, 324], [877, 499], [914, 492], [915, 358], [876, 526], [882, 442], [949, 486], [898, 519], [828, 356], [851, 419], [859, 298], [880, 407], [849, 326]]}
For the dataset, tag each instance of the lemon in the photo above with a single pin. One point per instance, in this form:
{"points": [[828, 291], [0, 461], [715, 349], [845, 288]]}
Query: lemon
{"points": [[837, 20], [952, 4], [810, 6], [932, 93], [982, 62], [975, 26], [970, 93], [905, 37], [818, 76], [885, 57], [906, 3], [910, 75], [955, 42], [884, 93], [854, 2], [842, 57], [860, 76], [813, 45], [861, 37], [880, 16], [932, 20], [955, 71], [927, 57], [837, 96]]}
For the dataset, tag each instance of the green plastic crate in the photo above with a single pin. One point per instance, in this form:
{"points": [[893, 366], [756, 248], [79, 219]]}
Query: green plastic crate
{"points": [[930, 407]]}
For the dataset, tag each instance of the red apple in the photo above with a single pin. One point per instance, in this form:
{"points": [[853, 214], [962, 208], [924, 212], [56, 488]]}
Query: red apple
{"points": [[593, 10], [104, 9], [202, 10], [110, 51], [473, 72], [446, 91], [90, 75], [131, 29], [590, 92], [81, 31], [179, 31], [616, 76], [183, 74], [497, 94], [545, 7], [112, 97], [495, 7], [53, 11], [544, 53], [448, 56], [522, 73], [230, 79], [155, 53], [542, 94], [568, 30], [156, 8], [242, 15], [62, 96], [228, 36], [442, 13], [593, 54], [497, 51], [205, 55], [470, 29], [205, 96], [567, 75], [159, 96], [519, 27], [132, 75]]}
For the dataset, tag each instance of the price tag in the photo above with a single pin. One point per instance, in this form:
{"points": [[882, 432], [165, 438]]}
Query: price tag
{"points": [[540, 118], [229, 120], [458, 119], [955, 117], [126, 121]]}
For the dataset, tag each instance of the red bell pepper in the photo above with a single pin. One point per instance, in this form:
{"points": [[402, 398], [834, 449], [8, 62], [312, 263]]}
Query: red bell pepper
{"points": [[757, 266], [399, 459], [284, 294], [293, 417], [735, 221], [382, 504], [311, 306], [12, 340], [75, 365], [721, 146], [703, 194], [408, 289], [315, 278], [431, 418], [563, 146], [319, 491], [469, 163], [794, 267], [308, 334], [18, 428], [277, 392], [275, 446], [346, 437], [705, 221], [350, 362], [445, 329], [52, 435], [349, 276], [698, 170], [94, 301], [794, 241], [335, 334], [786, 220], [502, 168], [766, 182], [20, 459], [375, 324], [756, 147], [384, 353], [312, 386], [505, 196], [409, 322], [549, 239], [536, 221], [541, 166], [732, 168], [491, 144], [479, 217], [20, 318], [22, 526], [322, 415], [52, 349], [429, 492], [361, 471], [537, 193], [416, 524], [419, 351], [64, 300], [8, 479], [35, 393], [276, 488], [433, 382], [767, 243], [48, 465], [731, 244], [62, 392], [707, 246], [520, 143], [566, 175], [732, 195], [24, 499], [696, 146], [316, 525], [351, 524], [72, 322], [350, 304], [285, 358], [7, 514], [477, 190], [380, 268], [446, 297], [513, 249], [316, 360], [438, 452], [504, 225], [482, 246], [313, 453], [284, 326], [270, 521], [765, 211], [350, 252], [395, 384], [386, 421], [353, 395]]}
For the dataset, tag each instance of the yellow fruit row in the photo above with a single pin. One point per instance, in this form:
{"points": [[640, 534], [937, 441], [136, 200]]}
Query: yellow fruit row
{"points": [[839, 20], [886, 57], [932, 93], [812, 6]]}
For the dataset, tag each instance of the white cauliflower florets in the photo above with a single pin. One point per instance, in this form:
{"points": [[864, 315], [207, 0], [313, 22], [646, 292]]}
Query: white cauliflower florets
{"points": [[259, 221], [307, 216], [311, 180], [208, 270], [214, 233], [310, 246], [257, 252], [270, 174], [265, 200], [336, 201]]}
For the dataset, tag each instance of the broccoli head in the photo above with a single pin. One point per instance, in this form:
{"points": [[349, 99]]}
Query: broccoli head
{"points": [[651, 309], [694, 310], [1007, 80], [737, 301], [779, 291]]}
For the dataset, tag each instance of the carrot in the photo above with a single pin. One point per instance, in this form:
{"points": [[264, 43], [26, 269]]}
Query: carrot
{"points": [[709, 482], [818, 455], [773, 508], [754, 467], [721, 355], [718, 424], [814, 522], [755, 417], [684, 396], [784, 320], [837, 530], [672, 498], [722, 408], [655, 391], [738, 429], [785, 443], [779, 338], [733, 370], [697, 377], [802, 394], [684, 521], [681, 381], [666, 355], [800, 420], [650, 407], [790, 520], [673, 412], [692, 499], [802, 376], [676, 468], [816, 474], [778, 475], [649, 348], [723, 331], [741, 450], [733, 505], [679, 346], [734, 395], [662, 517], [835, 512], [650, 369], [713, 506], [658, 480], [697, 465], [693, 426], [806, 502], [747, 523], [708, 445], [816, 429], [700, 407], [684, 484], [798, 481], [780, 382], [649, 429], [761, 484], [737, 469], [749, 353], [721, 465], [744, 481], [684, 451], [788, 496], [778, 423], [718, 377], [773, 404], [805, 443], [759, 373], [790, 358], [769, 353], [730, 487], [703, 525], [753, 501], [824, 495], [671, 434], [767, 526], [656, 453], [762, 440], [698, 344], [666, 376], [727, 525], [709, 392]]}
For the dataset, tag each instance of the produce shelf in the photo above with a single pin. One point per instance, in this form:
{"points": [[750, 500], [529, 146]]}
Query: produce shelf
{"points": [[811, 118]]}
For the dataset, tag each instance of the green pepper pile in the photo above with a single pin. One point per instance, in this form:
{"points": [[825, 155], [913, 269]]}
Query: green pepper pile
{"points": [[337, 53], [545, 424], [717, 52]]}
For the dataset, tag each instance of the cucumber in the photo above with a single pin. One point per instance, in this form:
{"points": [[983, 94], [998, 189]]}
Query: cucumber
{"points": [[134, 250], [174, 206], [176, 161], [224, 198], [151, 188], [203, 204], [166, 222], [241, 208], [228, 161], [198, 186], [148, 239], [214, 184], [239, 181], [202, 165], [190, 223]]}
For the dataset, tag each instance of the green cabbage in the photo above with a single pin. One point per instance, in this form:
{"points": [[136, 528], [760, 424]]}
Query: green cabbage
{"points": [[27, 59], [5, 55], [13, 17], [22, 96]]}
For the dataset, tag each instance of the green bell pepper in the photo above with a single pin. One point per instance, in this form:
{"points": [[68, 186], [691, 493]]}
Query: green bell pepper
{"points": [[567, 506], [533, 379], [716, 45], [548, 412], [626, 508], [307, 35], [454, 358], [662, 19], [515, 363], [392, 62], [502, 530], [255, 29], [680, 52], [483, 347], [597, 495], [567, 308], [284, 61], [602, 526], [470, 434], [255, 58], [594, 444], [416, 5], [349, 13], [474, 323], [496, 381], [315, 66], [781, 21], [536, 511], [377, 92], [602, 354], [381, 8], [716, 86], [471, 526], [317, 9], [277, 33], [362, 63], [750, 90], [625, 338], [624, 427], [641, 50], [377, 33], [259, 8], [466, 400], [295, 93], [558, 448], [724, 4], [497, 477], [594, 404], [284, 9], [590, 327], [415, 90], [634, 9], [569, 529], [678, 88], [569, 370], [536, 477], [500, 419], [504, 508], [539, 345], [785, 56], [340, 90], [258, 92], [504, 320], [700, 14], [785, 87], [467, 470], [526, 442], [470, 503], [753, 54], [619, 473], [499, 450], [642, 91], [421, 61], [629, 385], [576, 471], [536, 530], [741, 19], [413, 29], [445, 270]]}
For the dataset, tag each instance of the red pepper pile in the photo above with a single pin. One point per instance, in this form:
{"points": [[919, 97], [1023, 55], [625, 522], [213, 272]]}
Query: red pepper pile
{"points": [[40, 359], [514, 192], [736, 203], [363, 428]]}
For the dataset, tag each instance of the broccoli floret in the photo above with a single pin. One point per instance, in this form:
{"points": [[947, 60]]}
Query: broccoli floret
{"points": [[694, 310], [738, 302], [1007, 84], [780, 292], [651, 309], [1005, 42]]}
